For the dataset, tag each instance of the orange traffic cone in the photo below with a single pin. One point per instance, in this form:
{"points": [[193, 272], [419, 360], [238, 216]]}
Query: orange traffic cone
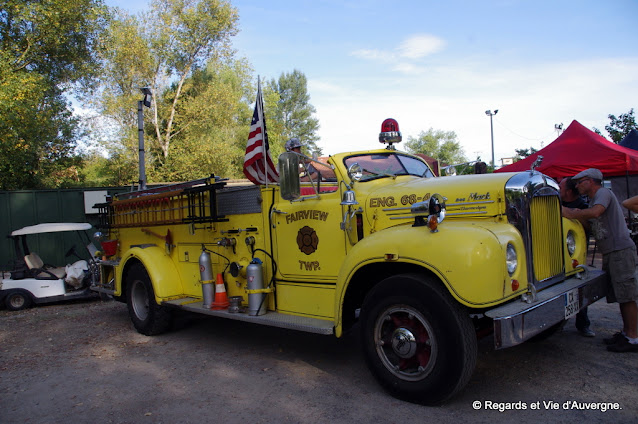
{"points": [[221, 298]]}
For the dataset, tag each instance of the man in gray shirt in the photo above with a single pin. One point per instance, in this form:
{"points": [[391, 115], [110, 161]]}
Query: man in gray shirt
{"points": [[619, 253]]}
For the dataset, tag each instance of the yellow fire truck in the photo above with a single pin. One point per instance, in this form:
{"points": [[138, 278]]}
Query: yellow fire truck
{"points": [[422, 266]]}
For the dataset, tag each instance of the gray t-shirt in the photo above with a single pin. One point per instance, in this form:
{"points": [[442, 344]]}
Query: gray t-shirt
{"points": [[609, 229]]}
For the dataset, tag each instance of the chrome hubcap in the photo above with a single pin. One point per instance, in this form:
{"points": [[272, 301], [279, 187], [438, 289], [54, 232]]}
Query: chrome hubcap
{"points": [[405, 342]]}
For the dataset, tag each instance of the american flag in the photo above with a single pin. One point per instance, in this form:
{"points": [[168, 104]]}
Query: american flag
{"points": [[258, 165]]}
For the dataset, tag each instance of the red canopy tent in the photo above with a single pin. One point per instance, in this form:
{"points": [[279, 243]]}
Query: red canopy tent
{"points": [[577, 149]]}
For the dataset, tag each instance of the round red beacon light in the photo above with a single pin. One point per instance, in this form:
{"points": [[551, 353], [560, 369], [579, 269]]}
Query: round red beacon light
{"points": [[390, 132], [390, 125]]}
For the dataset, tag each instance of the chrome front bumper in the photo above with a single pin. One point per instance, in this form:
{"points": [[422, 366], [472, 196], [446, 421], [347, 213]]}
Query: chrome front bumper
{"points": [[518, 321]]}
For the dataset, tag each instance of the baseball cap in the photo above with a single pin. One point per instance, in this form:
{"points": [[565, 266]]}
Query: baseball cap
{"points": [[591, 173]]}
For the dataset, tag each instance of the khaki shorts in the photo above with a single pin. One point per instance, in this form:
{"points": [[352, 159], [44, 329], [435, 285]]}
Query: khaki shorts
{"points": [[621, 267]]}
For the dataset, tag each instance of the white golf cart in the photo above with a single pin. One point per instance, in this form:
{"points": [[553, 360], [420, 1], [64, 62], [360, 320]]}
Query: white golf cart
{"points": [[32, 281]]}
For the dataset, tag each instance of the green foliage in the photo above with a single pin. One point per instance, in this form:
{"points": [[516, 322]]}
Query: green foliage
{"points": [[57, 39], [523, 153], [619, 127], [45, 49], [167, 49], [295, 112], [441, 145], [212, 124]]}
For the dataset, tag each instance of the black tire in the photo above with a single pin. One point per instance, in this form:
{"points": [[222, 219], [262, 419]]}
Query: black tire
{"points": [[18, 300], [148, 317], [418, 342]]}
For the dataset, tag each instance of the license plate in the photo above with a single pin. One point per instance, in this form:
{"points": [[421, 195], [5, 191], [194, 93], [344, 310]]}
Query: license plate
{"points": [[571, 303]]}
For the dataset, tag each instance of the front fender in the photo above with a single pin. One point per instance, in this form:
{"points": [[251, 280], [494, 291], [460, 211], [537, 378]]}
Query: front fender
{"points": [[161, 269], [468, 258]]}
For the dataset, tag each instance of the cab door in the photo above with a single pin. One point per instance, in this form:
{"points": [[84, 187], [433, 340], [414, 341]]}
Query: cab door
{"points": [[309, 250]]}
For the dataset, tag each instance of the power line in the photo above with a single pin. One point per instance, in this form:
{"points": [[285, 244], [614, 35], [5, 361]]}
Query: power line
{"points": [[522, 136]]}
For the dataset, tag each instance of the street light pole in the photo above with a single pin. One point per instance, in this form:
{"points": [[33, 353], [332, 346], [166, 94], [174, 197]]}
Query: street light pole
{"points": [[490, 114], [146, 101]]}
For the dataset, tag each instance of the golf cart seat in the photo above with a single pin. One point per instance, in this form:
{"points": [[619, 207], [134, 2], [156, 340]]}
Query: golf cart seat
{"points": [[41, 271]]}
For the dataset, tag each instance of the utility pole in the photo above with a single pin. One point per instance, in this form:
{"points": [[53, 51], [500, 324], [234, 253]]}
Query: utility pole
{"points": [[146, 101], [490, 114]]}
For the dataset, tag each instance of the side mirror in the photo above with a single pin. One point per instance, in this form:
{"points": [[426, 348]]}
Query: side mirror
{"points": [[289, 185]]}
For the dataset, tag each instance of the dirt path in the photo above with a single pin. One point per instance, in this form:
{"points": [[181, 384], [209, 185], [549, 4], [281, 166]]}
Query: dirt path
{"points": [[84, 363]]}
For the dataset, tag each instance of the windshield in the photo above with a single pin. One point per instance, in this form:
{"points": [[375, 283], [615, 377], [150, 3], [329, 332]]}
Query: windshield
{"points": [[388, 165]]}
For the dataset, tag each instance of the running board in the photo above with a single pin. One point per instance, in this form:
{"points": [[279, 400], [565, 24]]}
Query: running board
{"points": [[273, 319]]}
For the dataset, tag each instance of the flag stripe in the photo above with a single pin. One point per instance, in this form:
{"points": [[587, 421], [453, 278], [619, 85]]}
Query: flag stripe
{"points": [[258, 165]]}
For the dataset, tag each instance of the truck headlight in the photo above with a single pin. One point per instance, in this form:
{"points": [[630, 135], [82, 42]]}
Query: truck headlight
{"points": [[511, 259], [571, 243]]}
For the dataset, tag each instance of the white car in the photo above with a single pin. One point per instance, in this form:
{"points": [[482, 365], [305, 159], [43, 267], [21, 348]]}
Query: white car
{"points": [[31, 281]]}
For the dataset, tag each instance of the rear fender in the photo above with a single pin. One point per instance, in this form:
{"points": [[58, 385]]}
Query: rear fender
{"points": [[160, 267]]}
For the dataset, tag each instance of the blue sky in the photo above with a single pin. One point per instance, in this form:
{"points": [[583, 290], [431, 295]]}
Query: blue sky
{"points": [[442, 64]]}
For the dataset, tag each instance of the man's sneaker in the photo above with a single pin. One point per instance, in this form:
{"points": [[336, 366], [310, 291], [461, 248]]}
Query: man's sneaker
{"points": [[623, 345], [586, 332], [614, 339]]}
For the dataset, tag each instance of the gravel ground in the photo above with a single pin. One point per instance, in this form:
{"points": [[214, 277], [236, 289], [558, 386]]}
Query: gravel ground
{"points": [[83, 362]]}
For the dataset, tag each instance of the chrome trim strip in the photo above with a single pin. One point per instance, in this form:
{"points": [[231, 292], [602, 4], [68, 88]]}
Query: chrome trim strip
{"points": [[402, 208], [482, 202]]}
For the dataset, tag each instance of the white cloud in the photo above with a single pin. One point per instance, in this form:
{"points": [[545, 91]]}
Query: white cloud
{"points": [[455, 97], [374, 55], [420, 45], [403, 57]]}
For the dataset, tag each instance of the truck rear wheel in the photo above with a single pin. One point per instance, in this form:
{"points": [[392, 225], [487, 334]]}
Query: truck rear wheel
{"points": [[148, 317], [418, 342]]}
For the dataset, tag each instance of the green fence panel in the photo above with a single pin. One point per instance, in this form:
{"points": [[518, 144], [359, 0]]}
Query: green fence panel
{"points": [[29, 207]]}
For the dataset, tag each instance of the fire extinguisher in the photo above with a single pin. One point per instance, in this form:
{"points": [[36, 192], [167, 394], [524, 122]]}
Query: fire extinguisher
{"points": [[206, 275], [255, 282]]}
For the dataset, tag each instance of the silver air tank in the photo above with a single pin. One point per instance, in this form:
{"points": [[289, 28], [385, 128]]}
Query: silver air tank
{"points": [[206, 275], [255, 281]]}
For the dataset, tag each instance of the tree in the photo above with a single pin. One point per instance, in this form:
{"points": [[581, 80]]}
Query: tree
{"points": [[46, 50], [619, 127], [162, 50], [441, 145], [295, 112], [523, 153], [213, 125]]}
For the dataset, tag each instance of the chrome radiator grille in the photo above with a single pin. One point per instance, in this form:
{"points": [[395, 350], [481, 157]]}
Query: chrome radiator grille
{"points": [[546, 237], [533, 207]]}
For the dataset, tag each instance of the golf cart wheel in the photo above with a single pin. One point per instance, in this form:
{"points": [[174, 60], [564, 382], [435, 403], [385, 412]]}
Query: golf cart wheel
{"points": [[17, 300]]}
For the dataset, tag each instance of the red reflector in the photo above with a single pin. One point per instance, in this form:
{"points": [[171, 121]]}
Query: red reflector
{"points": [[389, 125], [575, 263], [515, 285], [359, 226]]}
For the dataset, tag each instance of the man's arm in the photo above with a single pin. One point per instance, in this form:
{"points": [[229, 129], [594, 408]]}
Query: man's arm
{"points": [[631, 204], [583, 214]]}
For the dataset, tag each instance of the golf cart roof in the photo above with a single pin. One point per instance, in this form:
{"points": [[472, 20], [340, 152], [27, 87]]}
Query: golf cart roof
{"points": [[52, 227]]}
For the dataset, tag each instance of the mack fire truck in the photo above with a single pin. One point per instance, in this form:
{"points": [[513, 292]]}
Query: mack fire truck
{"points": [[420, 265]]}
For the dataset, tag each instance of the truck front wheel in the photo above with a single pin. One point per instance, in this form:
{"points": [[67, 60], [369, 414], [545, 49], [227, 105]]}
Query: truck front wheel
{"points": [[417, 341], [148, 317]]}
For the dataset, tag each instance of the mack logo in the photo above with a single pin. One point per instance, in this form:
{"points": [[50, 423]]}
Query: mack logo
{"points": [[307, 214], [476, 196]]}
